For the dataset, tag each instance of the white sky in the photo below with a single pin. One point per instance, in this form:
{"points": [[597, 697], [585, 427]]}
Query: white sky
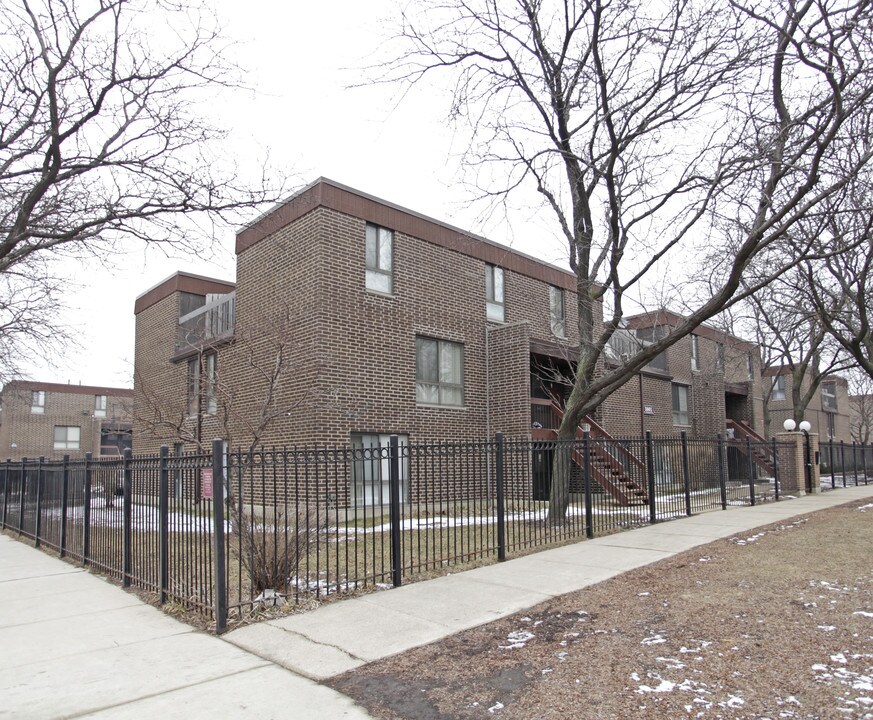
{"points": [[301, 58]]}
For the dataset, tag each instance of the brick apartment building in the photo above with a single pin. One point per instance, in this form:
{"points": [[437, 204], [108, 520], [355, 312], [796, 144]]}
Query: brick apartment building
{"points": [[352, 318], [828, 412], [52, 420], [705, 383]]}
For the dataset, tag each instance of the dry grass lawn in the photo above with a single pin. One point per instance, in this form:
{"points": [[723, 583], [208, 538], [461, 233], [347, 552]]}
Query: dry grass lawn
{"points": [[775, 623]]}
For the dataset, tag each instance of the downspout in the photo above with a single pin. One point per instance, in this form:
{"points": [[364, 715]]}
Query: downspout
{"points": [[488, 410]]}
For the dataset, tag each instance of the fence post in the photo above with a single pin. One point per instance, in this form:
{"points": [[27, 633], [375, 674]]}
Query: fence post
{"points": [[501, 500], [37, 523], [831, 452], [589, 510], [751, 464], [65, 488], [843, 460], [126, 504], [21, 503], [686, 472], [164, 524], [650, 476], [394, 488], [6, 482], [23, 494], [864, 462], [86, 530], [854, 464], [5, 492], [722, 484], [220, 565], [775, 468]]}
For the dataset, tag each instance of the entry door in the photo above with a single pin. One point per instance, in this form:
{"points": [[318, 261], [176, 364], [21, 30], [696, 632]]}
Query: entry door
{"points": [[372, 477]]}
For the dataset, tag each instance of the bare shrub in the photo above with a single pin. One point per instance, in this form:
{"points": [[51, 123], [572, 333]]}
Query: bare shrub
{"points": [[275, 543]]}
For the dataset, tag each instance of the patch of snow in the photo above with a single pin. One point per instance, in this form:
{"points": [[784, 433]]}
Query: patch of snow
{"points": [[863, 613], [672, 663], [643, 594], [827, 628], [517, 639], [495, 707], [656, 639]]}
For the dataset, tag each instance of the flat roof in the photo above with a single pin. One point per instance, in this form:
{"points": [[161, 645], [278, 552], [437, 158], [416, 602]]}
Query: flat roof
{"points": [[68, 388], [335, 196], [181, 282]]}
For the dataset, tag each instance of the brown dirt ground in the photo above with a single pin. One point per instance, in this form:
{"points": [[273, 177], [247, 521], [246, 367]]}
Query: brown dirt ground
{"points": [[774, 623]]}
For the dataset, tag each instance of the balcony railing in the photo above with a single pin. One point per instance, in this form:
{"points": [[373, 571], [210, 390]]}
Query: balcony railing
{"points": [[624, 344], [207, 324]]}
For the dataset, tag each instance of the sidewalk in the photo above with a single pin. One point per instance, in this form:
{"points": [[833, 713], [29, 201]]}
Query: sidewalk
{"points": [[74, 645], [341, 636]]}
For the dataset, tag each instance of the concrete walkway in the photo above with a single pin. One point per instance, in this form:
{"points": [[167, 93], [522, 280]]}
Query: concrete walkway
{"points": [[344, 635], [74, 645]]}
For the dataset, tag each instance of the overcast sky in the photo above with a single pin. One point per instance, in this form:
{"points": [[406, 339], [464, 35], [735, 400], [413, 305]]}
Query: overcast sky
{"points": [[301, 59]]}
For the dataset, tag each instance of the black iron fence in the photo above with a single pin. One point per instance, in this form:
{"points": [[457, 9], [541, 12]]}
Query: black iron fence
{"points": [[230, 533]]}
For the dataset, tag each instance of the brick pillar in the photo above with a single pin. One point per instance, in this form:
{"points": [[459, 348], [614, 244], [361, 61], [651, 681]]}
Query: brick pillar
{"points": [[792, 462]]}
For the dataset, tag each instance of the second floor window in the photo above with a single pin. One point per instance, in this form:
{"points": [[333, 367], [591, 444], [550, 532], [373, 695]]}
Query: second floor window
{"points": [[719, 357], [380, 242], [829, 396], [99, 406], [37, 402], [777, 392], [439, 372], [193, 387], [680, 405], [556, 312], [695, 353], [494, 307], [211, 361]]}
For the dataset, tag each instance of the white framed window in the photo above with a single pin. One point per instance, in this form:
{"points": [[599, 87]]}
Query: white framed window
{"points": [[719, 357], [494, 302], [829, 396], [379, 251], [439, 372], [750, 364], [556, 312], [37, 402], [99, 406], [211, 397], [67, 437], [695, 353], [192, 403], [680, 405], [777, 392], [371, 468]]}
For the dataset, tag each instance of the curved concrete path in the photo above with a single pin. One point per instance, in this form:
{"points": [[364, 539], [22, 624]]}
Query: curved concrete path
{"points": [[343, 635], [73, 645]]}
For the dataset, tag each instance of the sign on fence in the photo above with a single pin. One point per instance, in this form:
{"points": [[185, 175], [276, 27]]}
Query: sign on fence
{"points": [[206, 483]]}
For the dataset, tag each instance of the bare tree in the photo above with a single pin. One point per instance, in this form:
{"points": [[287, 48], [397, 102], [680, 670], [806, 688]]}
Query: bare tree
{"points": [[841, 285], [104, 137], [790, 335], [243, 395], [861, 407], [651, 133]]}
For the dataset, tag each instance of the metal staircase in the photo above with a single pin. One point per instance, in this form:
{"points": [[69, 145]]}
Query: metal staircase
{"points": [[762, 455], [609, 463]]}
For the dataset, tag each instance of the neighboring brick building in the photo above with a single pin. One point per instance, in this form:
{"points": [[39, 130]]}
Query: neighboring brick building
{"points": [[52, 420], [696, 385], [828, 412]]}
